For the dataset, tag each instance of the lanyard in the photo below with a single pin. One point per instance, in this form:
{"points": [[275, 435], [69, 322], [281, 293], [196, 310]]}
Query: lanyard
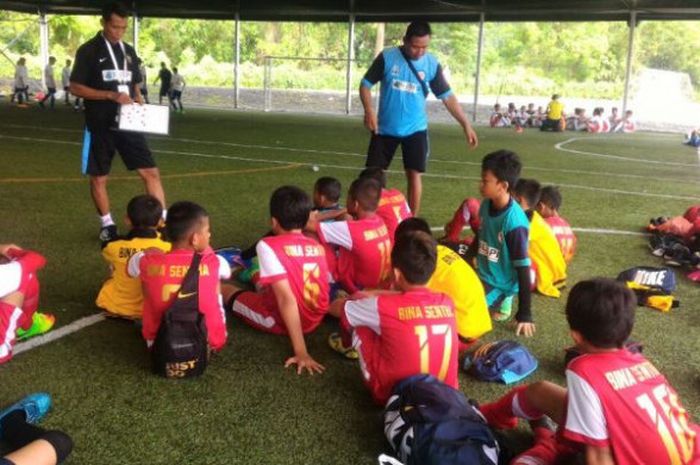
{"points": [[122, 79]]}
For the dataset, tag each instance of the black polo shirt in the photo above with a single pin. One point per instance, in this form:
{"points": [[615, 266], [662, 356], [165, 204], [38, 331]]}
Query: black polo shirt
{"points": [[92, 67]]}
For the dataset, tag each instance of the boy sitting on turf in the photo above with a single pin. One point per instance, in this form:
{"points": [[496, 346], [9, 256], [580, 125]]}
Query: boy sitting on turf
{"points": [[617, 406], [19, 298], [454, 277], [162, 273], [364, 259], [393, 207], [548, 265], [502, 259], [326, 197], [121, 295], [293, 298], [401, 333], [548, 207]]}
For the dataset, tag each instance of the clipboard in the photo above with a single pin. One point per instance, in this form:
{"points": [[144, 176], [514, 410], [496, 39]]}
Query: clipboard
{"points": [[151, 119]]}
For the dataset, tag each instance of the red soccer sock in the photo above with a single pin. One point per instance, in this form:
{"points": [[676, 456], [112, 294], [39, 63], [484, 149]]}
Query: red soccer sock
{"points": [[504, 413]]}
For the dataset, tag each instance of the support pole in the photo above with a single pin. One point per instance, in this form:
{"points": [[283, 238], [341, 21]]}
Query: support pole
{"points": [[236, 60], [44, 44], [477, 75], [351, 58], [630, 54], [136, 21]]}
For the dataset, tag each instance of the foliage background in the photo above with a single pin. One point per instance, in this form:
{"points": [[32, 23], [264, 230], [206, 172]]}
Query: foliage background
{"points": [[577, 59]]}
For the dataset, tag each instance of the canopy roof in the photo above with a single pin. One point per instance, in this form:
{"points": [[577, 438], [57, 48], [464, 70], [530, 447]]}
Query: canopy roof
{"points": [[383, 10]]}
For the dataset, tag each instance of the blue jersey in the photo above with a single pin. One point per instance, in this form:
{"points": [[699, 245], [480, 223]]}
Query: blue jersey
{"points": [[503, 242], [402, 99]]}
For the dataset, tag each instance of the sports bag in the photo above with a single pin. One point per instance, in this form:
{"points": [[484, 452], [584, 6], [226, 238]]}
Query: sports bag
{"points": [[180, 349], [501, 361], [430, 423], [652, 286]]}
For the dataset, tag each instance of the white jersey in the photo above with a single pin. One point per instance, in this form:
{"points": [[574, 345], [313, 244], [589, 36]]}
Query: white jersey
{"points": [[178, 82], [21, 76], [65, 76], [48, 77]]}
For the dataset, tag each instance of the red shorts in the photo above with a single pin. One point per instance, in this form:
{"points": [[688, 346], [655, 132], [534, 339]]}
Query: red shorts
{"points": [[367, 344], [9, 320], [259, 310]]}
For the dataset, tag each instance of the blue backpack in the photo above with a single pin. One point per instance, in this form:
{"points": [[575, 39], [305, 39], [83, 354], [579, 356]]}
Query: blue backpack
{"points": [[430, 423], [502, 361]]}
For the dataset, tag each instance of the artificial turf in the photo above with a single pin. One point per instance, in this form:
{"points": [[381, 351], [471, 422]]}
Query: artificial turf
{"points": [[247, 408]]}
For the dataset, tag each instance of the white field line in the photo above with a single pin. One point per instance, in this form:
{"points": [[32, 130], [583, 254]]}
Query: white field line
{"points": [[357, 168], [560, 147], [431, 160], [63, 331], [614, 232]]}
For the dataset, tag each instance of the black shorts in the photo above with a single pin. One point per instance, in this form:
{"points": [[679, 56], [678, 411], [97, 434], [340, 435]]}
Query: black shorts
{"points": [[176, 94], [415, 149], [164, 91], [132, 146]]}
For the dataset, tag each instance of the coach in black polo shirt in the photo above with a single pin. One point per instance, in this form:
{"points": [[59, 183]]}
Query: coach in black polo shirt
{"points": [[106, 75]]}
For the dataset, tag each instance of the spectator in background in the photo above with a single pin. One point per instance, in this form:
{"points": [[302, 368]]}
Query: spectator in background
{"points": [[65, 81], [21, 83], [627, 124], [555, 116], [50, 82], [497, 118], [177, 86], [165, 77]]}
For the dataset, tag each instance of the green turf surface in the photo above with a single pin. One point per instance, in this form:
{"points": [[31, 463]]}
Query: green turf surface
{"points": [[247, 408]]}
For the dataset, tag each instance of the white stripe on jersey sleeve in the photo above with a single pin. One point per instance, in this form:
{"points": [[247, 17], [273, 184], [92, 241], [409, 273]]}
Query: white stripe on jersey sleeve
{"points": [[269, 263], [224, 268], [364, 312], [10, 278], [584, 413], [338, 233], [133, 265]]}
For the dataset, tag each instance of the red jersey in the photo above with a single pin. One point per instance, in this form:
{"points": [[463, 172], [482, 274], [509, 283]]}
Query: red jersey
{"points": [[393, 209], [416, 333], [364, 259], [301, 261], [161, 277], [565, 236], [621, 401]]}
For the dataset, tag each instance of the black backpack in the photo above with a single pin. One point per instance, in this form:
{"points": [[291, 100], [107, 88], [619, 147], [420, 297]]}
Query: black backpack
{"points": [[180, 349], [430, 423]]}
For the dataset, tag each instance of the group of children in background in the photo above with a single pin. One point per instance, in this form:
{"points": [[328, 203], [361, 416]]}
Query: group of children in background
{"points": [[405, 302], [554, 116], [598, 123]]}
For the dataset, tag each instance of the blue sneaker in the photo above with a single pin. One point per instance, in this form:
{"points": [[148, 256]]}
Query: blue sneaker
{"points": [[35, 407]]}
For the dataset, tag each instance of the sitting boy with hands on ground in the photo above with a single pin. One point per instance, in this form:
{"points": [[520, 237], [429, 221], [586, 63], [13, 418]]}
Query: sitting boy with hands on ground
{"points": [[502, 258], [294, 286]]}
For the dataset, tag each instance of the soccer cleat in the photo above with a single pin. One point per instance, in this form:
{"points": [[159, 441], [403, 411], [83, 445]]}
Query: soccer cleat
{"points": [[41, 323], [336, 343], [35, 407], [678, 255], [504, 311], [108, 233]]}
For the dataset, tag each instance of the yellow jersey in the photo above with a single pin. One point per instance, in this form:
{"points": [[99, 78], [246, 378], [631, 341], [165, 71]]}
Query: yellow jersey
{"points": [[121, 294], [547, 257], [555, 110], [454, 277]]}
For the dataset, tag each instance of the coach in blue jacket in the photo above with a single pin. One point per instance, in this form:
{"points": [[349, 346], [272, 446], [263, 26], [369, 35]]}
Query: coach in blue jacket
{"points": [[407, 75]]}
